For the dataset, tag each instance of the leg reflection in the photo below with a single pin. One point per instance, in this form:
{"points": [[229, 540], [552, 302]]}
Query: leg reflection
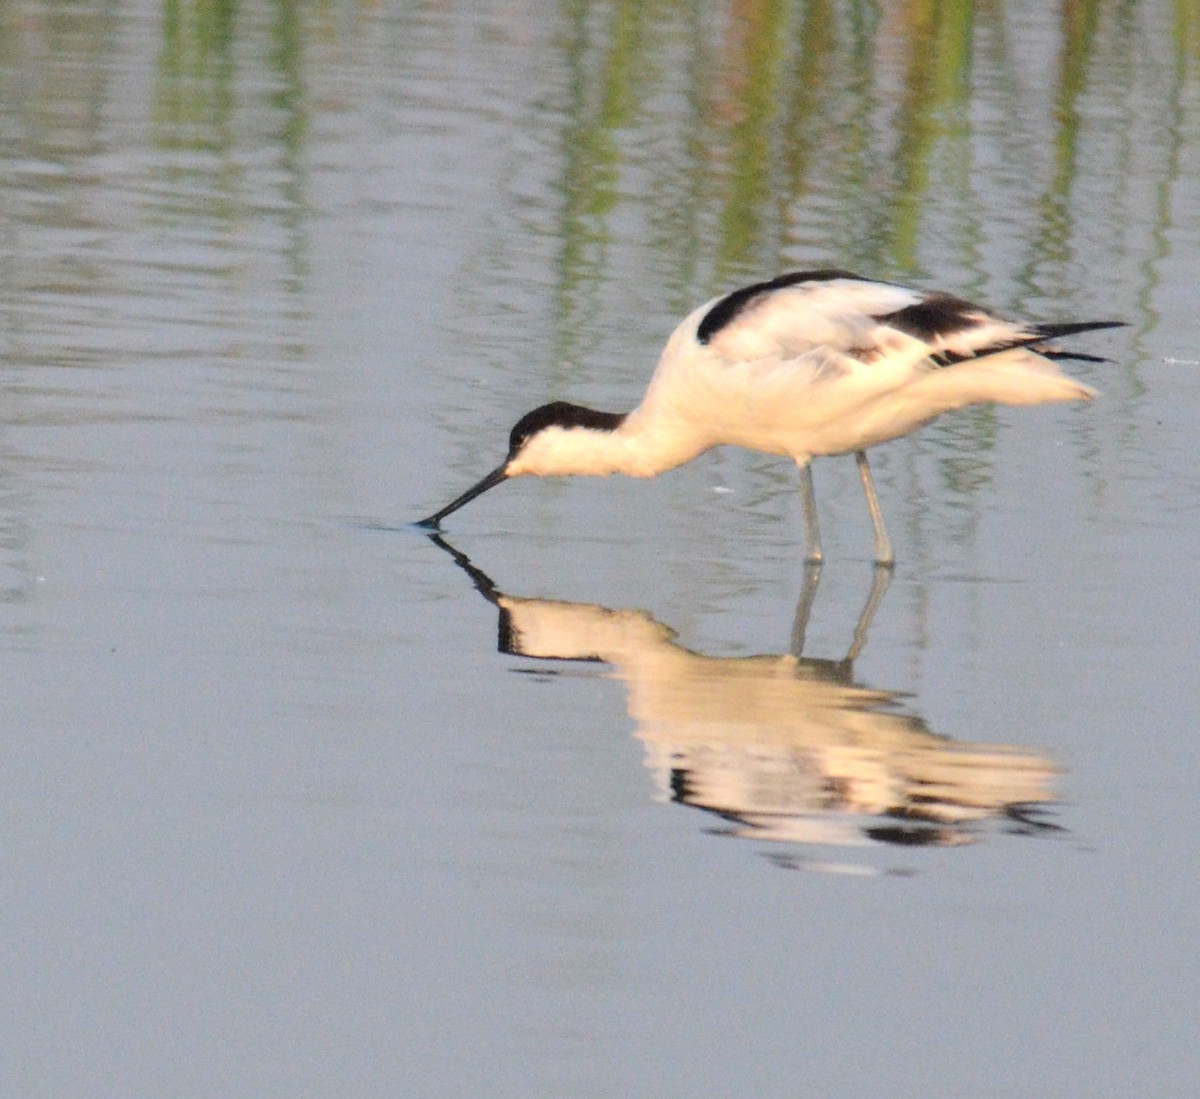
{"points": [[879, 586], [880, 581], [808, 594]]}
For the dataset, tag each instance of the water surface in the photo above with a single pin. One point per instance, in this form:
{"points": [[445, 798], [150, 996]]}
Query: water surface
{"points": [[300, 803]]}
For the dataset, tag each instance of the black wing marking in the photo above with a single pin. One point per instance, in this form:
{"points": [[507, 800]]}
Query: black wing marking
{"points": [[732, 304], [954, 326], [935, 318]]}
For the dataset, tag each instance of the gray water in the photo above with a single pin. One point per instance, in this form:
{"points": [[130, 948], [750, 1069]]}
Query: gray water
{"points": [[298, 802]]}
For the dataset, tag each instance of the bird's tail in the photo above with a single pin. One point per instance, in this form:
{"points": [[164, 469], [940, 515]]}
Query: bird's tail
{"points": [[1014, 376]]}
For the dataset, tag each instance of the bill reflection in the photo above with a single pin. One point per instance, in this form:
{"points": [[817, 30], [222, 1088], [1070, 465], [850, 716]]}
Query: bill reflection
{"points": [[784, 747]]}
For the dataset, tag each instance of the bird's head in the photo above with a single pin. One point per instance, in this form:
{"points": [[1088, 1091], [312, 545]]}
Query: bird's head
{"points": [[551, 440]]}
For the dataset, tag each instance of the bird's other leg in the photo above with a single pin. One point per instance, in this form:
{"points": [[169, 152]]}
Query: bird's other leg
{"points": [[883, 544], [804, 606], [812, 529]]}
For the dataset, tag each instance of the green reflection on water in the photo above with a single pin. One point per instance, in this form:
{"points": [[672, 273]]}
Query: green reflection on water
{"points": [[936, 81], [194, 95], [678, 146], [203, 104], [814, 126], [787, 101]]}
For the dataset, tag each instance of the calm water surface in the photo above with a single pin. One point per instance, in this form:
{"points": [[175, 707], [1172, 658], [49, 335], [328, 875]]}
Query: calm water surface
{"points": [[300, 802]]}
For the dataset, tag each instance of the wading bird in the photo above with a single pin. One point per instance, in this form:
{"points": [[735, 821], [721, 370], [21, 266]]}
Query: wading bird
{"points": [[807, 365]]}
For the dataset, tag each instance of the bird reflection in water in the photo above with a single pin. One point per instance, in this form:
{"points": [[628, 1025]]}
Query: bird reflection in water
{"points": [[785, 747]]}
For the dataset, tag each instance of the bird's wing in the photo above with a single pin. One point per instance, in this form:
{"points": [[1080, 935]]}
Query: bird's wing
{"points": [[865, 320]]}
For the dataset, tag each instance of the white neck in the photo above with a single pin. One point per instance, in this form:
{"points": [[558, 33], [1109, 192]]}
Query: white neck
{"points": [[635, 448]]}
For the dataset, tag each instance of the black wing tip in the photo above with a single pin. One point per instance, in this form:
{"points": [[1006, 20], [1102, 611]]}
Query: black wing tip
{"points": [[1073, 356], [1070, 328], [941, 314]]}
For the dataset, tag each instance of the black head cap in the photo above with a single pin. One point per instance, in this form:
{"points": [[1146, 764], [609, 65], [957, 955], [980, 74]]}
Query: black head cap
{"points": [[560, 414]]}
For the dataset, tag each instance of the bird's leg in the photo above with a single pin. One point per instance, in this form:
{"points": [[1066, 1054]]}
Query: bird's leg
{"points": [[808, 593], [879, 587], [883, 544], [812, 529]]}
